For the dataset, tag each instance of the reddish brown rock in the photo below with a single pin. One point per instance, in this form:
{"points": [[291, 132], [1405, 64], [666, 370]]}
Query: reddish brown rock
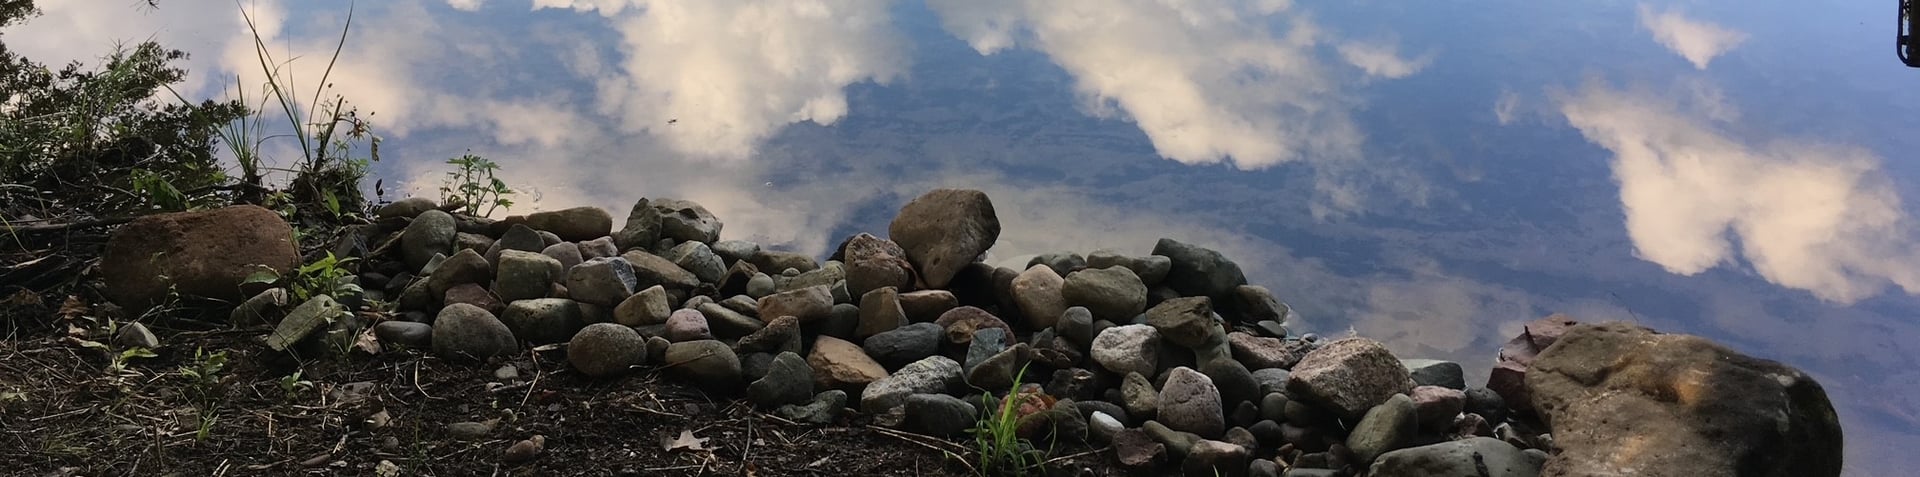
{"points": [[961, 322], [200, 253], [1510, 371]]}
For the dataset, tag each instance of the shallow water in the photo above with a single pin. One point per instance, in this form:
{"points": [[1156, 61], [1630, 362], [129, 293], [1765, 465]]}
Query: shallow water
{"points": [[1430, 174]]}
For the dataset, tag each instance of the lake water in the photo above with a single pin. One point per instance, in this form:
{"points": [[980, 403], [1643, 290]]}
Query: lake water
{"points": [[1430, 174]]}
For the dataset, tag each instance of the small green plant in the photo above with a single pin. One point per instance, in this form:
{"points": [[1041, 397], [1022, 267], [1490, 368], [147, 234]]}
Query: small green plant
{"points": [[326, 276], [1001, 450], [206, 376], [473, 185], [118, 366], [291, 386]]}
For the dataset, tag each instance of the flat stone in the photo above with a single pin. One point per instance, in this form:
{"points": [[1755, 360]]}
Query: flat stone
{"points": [[938, 415], [1062, 263], [1198, 271], [649, 270], [1187, 322], [573, 224], [403, 334], [776, 261], [568, 253], [1151, 269], [810, 304], [409, 207], [838, 364], [474, 294], [1254, 303], [1259, 352], [935, 374], [781, 334], [136, 335], [1215, 458], [903, 345], [1436, 406], [1134, 448], [997, 371], [697, 258], [602, 281], [927, 305], [1479, 456], [824, 409], [1431, 372], [1113, 293]]}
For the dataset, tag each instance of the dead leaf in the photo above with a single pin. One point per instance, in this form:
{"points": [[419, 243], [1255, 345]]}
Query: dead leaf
{"points": [[367, 342], [24, 298], [73, 308], [686, 441]]}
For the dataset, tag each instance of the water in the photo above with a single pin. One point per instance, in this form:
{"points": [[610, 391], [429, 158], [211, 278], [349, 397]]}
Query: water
{"points": [[1429, 174]]}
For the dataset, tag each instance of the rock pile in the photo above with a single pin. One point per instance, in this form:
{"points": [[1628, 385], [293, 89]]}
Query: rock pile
{"points": [[1171, 359]]}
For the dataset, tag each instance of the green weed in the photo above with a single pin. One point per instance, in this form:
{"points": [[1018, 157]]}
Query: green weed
{"points": [[473, 185], [1001, 451]]}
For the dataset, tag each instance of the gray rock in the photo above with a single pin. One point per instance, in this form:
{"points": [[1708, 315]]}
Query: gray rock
{"points": [[944, 230], [788, 381], [1272, 329], [1267, 432], [1253, 303], [687, 325], [1137, 448], [1486, 403], [1436, 406], [1259, 352], [544, 320], [810, 304], [471, 430], [1694, 406], [845, 319], [1128, 349], [1211, 458], [1069, 383], [409, 207], [1076, 325], [1349, 376], [568, 253], [1151, 269], [760, 286], [1198, 271], [727, 323], [1385, 428], [1235, 383], [1271, 380], [997, 371], [606, 349], [136, 335], [466, 332], [464, 267], [708, 364], [733, 251], [938, 415], [1037, 292], [518, 237], [1189, 402], [573, 224], [648, 307], [1306, 472], [602, 281], [776, 261], [781, 334], [650, 270], [1062, 263], [685, 221], [1178, 443], [431, 233], [880, 312], [897, 347], [1186, 322], [825, 276], [598, 248], [1263, 468], [402, 333], [1480, 456], [873, 263], [986, 343], [927, 305], [1433, 372], [1102, 427], [935, 374], [525, 275], [478, 243], [313, 315], [697, 258], [824, 409], [642, 227], [961, 323], [1113, 293], [1139, 396]]}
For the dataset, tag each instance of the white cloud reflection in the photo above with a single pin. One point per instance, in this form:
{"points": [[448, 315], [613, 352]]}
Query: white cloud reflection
{"points": [[1208, 81], [1805, 214], [1697, 41]]}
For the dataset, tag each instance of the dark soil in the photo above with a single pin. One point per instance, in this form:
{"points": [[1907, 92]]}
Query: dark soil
{"points": [[64, 411]]}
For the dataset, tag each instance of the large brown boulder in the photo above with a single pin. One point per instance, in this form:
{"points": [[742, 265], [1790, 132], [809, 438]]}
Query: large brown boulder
{"points": [[1624, 400], [203, 253], [944, 231]]}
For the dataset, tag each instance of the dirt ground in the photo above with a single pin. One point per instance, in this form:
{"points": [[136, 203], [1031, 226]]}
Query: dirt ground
{"points": [[66, 410]]}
